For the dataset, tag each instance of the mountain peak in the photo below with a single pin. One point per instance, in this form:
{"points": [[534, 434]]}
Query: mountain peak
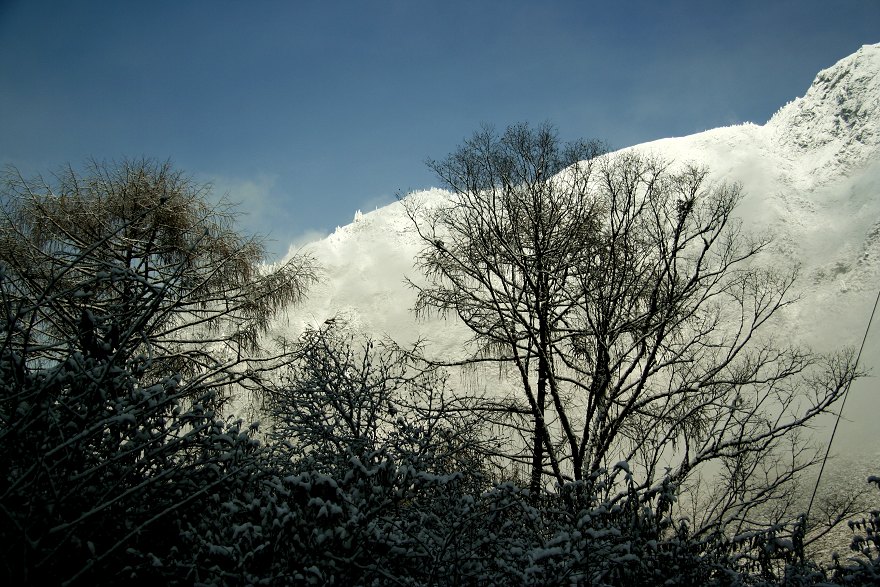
{"points": [[837, 122]]}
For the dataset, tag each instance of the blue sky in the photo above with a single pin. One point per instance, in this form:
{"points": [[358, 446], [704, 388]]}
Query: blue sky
{"points": [[307, 111]]}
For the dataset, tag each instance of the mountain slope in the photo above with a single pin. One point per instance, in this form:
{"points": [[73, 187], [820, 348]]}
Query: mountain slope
{"points": [[811, 176]]}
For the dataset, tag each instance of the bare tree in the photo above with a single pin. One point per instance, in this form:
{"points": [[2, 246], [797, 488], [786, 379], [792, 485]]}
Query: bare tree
{"points": [[348, 395], [499, 255], [624, 294]]}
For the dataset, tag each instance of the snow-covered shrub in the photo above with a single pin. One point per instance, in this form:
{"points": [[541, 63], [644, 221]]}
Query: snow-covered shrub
{"points": [[379, 521], [864, 567], [97, 465], [389, 505]]}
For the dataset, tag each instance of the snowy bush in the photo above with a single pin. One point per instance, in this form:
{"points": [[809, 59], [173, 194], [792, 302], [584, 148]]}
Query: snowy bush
{"points": [[98, 465], [864, 567]]}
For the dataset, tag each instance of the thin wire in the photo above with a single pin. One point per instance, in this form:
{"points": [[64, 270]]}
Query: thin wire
{"points": [[842, 404]]}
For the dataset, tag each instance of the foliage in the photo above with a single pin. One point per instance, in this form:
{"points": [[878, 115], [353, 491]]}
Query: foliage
{"points": [[128, 302], [130, 259], [97, 466]]}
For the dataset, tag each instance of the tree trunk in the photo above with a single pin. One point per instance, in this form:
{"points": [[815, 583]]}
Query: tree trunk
{"points": [[538, 438]]}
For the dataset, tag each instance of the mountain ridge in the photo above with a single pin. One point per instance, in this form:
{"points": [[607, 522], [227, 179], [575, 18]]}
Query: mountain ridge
{"points": [[810, 175], [839, 109]]}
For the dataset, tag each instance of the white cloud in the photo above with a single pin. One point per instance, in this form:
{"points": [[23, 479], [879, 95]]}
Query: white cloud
{"points": [[252, 197], [260, 210], [301, 240]]}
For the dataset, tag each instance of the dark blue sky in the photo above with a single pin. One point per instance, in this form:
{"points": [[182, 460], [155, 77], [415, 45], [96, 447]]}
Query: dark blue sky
{"points": [[306, 111]]}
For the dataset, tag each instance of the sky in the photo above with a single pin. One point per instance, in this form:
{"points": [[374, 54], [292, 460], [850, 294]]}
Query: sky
{"points": [[306, 111]]}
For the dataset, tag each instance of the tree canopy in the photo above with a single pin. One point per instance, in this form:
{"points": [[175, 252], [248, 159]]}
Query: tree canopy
{"points": [[134, 258]]}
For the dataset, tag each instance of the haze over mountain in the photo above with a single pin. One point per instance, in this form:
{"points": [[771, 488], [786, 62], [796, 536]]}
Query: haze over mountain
{"points": [[811, 177]]}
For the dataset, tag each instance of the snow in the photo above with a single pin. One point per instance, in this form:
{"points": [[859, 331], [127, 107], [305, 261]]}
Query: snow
{"points": [[365, 264], [834, 126], [811, 175]]}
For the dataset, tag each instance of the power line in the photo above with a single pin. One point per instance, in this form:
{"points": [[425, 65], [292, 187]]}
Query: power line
{"points": [[842, 404]]}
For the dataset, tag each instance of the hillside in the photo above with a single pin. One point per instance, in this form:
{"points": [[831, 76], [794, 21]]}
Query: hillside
{"points": [[811, 175]]}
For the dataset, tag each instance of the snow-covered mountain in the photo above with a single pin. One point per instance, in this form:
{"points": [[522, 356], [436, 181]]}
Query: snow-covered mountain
{"points": [[811, 176]]}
